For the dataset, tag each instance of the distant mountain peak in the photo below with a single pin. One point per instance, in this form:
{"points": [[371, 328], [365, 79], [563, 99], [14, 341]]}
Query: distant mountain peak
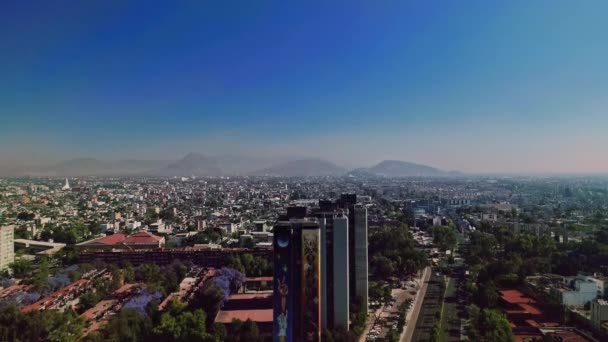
{"points": [[398, 168], [310, 167], [192, 164]]}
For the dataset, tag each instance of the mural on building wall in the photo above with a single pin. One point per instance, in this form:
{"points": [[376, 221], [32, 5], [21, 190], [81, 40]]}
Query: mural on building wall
{"points": [[311, 292], [283, 326]]}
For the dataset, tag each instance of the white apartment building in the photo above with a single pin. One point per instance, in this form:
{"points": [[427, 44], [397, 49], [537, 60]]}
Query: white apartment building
{"points": [[7, 246]]}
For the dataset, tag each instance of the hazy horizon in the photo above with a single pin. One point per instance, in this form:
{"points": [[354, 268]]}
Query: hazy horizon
{"points": [[514, 87]]}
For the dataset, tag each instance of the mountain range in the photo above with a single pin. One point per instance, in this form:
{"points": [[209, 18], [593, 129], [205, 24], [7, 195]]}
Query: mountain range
{"points": [[302, 168], [201, 165], [397, 168]]}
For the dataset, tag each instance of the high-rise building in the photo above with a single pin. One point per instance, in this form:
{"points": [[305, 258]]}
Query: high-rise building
{"points": [[357, 247], [7, 246], [297, 279], [334, 266], [334, 271], [360, 255]]}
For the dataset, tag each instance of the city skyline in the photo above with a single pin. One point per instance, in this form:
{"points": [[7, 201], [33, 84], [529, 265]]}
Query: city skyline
{"points": [[514, 87]]}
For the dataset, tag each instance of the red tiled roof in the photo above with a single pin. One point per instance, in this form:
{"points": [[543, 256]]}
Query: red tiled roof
{"points": [[531, 309], [142, 238], [515, 297], [110, 240], [50, 299]]}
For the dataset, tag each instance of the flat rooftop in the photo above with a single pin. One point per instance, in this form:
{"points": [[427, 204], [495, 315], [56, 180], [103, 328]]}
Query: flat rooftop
{"points": [[258, 316]]}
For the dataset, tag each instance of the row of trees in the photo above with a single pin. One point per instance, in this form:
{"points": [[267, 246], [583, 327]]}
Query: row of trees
{"points": [[38, 326], [176, 324], [164, 279], [180, 322], [254, 266], [394, 253], [70, 234], [488, 325], [444, 237]]}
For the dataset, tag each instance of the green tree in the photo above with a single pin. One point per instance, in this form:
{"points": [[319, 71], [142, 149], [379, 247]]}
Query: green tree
{"points": [[185, 326], [128, 273], [482, 248], [128, 326], [21, 268], [444, 238], [40, 278], [37, 326], [488, 326], [382, 267], [64, 327], [234, 262], [209, 297], [87, 301], [94, 228], [219, 331]]}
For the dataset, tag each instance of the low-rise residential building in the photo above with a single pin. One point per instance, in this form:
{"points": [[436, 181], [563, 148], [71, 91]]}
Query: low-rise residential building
{"points": [[575, 291]]}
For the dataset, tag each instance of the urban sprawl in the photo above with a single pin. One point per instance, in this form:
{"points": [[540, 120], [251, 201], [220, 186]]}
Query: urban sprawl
{"points": [[350, 258]]}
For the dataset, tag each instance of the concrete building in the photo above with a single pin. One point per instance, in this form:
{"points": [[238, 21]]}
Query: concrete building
{"points": [[261, 236], [599, 312], [437, 221], [361, 257], [106, 227], [598, 282], [297, 285], [7, 246], [357, 247], [335, 299], [575, 292], [39, 247], [141, 240]]}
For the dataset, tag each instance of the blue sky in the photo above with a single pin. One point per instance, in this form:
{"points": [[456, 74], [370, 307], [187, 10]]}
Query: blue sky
{"points": [[469, 85]]}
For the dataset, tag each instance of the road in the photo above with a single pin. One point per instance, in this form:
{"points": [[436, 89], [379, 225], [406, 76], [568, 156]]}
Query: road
{"points": [[426, 313], [454, 312], [412, 315]]}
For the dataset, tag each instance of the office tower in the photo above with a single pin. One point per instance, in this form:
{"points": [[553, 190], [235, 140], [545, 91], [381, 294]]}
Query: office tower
{"points": [[360, 255], [334, 266], [297, 290], [357, 247], [7, 246]]}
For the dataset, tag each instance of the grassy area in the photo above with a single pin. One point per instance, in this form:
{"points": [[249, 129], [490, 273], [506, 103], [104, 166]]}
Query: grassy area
{"points": [[583, 228], [449, 312]]}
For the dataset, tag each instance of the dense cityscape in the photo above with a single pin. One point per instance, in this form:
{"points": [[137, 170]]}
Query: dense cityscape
{"points": [[314, 171], [373, 258]]}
